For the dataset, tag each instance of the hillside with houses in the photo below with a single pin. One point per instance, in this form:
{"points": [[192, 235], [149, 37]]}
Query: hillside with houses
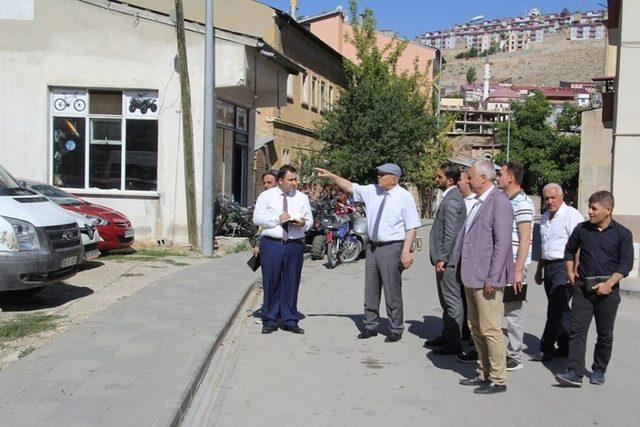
{"points": [[558, 59]]}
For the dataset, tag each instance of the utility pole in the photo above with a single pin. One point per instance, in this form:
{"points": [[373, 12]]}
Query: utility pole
{"points": [[509, 134], [209, 143], [187, 129]]}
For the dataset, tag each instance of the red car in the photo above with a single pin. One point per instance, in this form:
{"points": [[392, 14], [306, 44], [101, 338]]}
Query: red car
{"points": [[115, 229]]}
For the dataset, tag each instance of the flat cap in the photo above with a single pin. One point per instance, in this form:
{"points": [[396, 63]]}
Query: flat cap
{"points": [[391, 168]]}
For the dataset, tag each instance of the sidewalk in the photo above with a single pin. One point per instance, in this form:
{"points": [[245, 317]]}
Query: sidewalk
{"points": [[137, 363]]}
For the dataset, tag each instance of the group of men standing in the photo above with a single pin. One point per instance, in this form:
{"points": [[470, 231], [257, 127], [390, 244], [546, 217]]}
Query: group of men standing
{"points": [[480, 246]]}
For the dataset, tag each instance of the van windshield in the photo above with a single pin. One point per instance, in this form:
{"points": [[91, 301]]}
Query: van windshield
{"points": [[9, 186], [57, 195]]}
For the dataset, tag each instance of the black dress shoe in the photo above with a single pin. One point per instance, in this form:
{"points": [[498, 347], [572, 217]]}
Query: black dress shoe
{"points": [[475, 381], [295, 329], [436, 342], [490, 388], [367, 333], [266, 329], [393, 337], [447, 350]]}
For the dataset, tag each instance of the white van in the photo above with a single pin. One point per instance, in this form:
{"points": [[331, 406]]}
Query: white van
{"points": [[39, 242]]}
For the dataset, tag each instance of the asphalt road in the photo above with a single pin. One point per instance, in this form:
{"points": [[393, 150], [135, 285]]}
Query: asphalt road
{"points": [[329, 378]]}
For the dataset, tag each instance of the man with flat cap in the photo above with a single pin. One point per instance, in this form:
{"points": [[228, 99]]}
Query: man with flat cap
{"points": [[392, 220]]}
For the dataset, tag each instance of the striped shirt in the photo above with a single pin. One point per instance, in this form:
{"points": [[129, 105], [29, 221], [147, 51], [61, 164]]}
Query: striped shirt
{"points": [[523, 211]]}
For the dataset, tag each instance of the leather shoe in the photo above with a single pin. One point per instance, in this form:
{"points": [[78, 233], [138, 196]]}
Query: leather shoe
{"points": [[295, 329], [475, 381], [393, 337], [446, 350], [367, 333], [436, 342], [490, 388], [267, 329]]}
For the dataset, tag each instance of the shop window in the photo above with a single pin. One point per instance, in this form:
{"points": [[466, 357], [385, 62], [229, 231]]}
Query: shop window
{"points": [[104, 139]]}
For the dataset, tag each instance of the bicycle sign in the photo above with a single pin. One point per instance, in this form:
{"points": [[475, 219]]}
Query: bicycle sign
{"points": [[69, 101], [66, 101]]}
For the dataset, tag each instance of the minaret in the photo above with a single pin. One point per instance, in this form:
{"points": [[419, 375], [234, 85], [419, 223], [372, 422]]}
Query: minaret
{"points": [[485, 89], [293, 8]]}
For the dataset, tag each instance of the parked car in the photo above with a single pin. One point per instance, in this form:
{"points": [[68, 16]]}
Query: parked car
{"points": [[114, 227], [89, 233], [40, 242]]}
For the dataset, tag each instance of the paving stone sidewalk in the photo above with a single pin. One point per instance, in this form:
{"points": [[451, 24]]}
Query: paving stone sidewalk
{"points": [[136, 363]]}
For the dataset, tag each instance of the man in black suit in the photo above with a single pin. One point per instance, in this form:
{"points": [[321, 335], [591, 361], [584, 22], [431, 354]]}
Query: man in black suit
{"points": [[450, 218]]}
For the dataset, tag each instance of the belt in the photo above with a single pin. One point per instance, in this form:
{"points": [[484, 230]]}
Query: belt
{"points": [[378, 244], [594, 280], [284, 242], [551, 261]]}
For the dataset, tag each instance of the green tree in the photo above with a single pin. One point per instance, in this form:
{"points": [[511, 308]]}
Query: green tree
{"points": [[547, 155], [569, 119], [471, 75], [380, 116]]}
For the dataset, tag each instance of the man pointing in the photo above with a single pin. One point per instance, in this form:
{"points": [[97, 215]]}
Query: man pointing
{"points": [[392, 219]]}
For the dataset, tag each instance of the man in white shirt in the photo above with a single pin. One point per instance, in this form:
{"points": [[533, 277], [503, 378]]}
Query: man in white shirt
{"points": [[284, 215], [392, 220], [556, 226]]}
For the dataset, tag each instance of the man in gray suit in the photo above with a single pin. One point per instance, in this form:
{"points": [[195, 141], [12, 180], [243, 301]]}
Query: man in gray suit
{"points": [[485, 268], [449, 220]]}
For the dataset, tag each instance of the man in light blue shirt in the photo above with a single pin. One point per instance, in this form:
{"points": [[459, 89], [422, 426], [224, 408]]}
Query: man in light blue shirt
{"points": [[392, 220]]}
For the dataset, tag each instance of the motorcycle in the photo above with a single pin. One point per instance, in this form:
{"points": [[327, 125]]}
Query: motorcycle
{"points": [[233, 219], [316, 236], [346, 238]]}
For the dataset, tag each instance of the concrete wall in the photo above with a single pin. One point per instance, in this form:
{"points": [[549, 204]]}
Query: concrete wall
{"points": [[595, 158], [626, 173]]}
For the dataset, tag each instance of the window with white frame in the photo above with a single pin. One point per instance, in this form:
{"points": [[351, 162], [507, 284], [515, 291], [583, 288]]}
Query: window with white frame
{"points": [[290, 78], [104, 139], [331, 97], [305, 89], [314, 92], [323, 96]]}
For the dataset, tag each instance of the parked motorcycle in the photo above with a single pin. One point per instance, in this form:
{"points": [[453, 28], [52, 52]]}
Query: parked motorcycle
{"points": [[323, 212], [346, 237], [232, 219]]}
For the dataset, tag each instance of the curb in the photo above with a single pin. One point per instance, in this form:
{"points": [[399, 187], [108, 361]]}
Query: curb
{"points": [[186, 401]]}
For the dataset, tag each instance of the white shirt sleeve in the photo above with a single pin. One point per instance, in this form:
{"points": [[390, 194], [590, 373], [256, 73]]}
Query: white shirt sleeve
{"points": [[308, 214], [263, 215], [574, 219], [410, 214], [360, 193]]}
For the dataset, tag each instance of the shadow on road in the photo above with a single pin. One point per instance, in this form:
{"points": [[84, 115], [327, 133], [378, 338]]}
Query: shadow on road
{"points": [[358, 321], [90, 265], [429, 327], [49, 297]]}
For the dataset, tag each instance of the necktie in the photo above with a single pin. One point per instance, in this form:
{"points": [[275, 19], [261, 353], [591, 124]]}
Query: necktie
{"points": [[376, 224], [285, 209]]}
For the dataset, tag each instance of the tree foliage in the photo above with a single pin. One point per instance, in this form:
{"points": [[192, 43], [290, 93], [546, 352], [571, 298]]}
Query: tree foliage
{"points": [[380, 116], [569, 119], [471, 75], [546, 154]]}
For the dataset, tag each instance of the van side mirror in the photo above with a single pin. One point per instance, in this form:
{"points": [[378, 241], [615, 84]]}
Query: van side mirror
{"points": [[22, 183]]}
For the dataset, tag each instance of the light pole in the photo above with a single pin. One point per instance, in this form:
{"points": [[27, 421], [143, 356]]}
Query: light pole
{"points": [[508, 133], [209, 143]]}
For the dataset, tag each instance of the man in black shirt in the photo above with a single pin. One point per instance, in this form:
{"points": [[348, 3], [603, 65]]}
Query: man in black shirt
{"points": [[605, 257]]}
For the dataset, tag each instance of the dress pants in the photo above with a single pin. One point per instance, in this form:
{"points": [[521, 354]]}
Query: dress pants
{"points": [[485, 321], [558, 314], [452, 306], [382, 272], [281, 270], [514, 314], [584, 307]]}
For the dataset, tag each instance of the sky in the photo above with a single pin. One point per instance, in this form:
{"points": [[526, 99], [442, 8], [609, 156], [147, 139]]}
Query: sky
{"points": [[413, 17]]}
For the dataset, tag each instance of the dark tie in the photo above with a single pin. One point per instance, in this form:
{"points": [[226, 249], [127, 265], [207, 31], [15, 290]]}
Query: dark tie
{"points": [[285, 209], [376, 225]]}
